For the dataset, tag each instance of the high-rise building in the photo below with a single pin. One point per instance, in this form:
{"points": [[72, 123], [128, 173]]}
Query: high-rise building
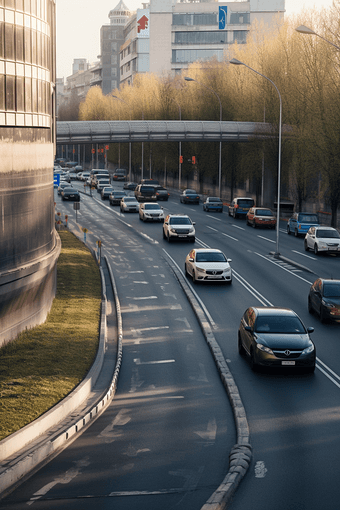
{"points": [[168, 35], [29, 245], [111, 38]]}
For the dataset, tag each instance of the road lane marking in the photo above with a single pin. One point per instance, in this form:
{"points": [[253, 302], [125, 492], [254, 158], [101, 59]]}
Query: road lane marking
{"points": [[230, 237], [266, 239], [304, 255], [236, 226], [284, 268]]}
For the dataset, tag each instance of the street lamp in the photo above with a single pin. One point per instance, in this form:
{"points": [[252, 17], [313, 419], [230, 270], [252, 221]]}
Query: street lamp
{"points": [[308, 31], [179, 147], [122, 100], [238, 63], [220, 154]]}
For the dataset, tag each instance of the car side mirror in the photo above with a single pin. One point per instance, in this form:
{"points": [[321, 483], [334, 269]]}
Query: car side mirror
{"points": [[248, 328], [229, 260], [310, 330], [194, 223], [191, 260]]}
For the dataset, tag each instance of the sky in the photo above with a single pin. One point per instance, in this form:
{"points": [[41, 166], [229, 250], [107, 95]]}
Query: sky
{"points": [[79, 22]]}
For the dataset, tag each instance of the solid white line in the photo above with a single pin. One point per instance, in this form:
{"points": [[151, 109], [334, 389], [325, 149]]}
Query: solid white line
{"points": [[251, 289], [329, 377], [210, 319], [284, 268], [304, 255], [331, 371]]}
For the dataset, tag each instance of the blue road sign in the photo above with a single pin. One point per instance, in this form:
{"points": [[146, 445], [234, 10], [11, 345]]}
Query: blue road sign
{"points": [[56, 180], [222, 17]]}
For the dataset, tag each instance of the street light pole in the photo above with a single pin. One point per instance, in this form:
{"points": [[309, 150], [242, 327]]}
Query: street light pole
{"points": [[122, 100], [220, 151], [179, 148], [308, 31], [237, 62]]}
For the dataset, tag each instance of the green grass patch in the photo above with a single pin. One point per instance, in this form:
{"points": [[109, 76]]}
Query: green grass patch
{"points": [[44, 364]]}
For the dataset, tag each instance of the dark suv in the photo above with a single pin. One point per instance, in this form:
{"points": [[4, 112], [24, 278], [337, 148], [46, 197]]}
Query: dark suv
{"points": [[145, 193], [300, 223]]}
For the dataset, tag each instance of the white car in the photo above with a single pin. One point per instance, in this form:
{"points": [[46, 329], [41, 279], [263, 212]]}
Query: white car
{"points": [[178, 226], [204, 265], [129, 204], [150, 211], [322, 239]]}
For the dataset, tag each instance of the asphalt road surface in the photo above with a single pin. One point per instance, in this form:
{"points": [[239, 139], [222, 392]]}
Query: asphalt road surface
{"points": [[164, 441]]}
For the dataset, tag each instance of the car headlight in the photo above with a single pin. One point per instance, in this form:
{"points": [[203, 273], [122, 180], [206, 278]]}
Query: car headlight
{"points": [[200, 269], [308, 350], [191, 229], [322, 245], [327, 305], [173, 230], [264, 348]]}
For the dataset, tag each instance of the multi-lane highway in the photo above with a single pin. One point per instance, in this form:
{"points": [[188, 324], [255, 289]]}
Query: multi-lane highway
{"points": [[165, 439]]}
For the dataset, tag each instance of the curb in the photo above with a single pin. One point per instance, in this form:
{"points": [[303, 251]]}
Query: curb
{"points": [[241, 454], [17, 465], [292, 262]]}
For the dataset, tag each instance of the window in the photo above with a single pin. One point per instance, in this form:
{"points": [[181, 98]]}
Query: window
{"points": [[194, 55], [240, 36], [239, 18], [20, 94], [2, 92], [215, 37], [10, 93], [9, 41], [19, 43], [195, 19]]}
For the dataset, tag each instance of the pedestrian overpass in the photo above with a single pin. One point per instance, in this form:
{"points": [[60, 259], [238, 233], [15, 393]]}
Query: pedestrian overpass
{"points": [[105, 131]]}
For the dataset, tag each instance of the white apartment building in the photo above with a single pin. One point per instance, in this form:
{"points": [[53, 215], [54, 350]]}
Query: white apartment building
{"points": [[168, 35]]}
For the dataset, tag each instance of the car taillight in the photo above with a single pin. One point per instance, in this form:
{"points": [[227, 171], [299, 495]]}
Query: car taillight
{"points": [[236, 206]]}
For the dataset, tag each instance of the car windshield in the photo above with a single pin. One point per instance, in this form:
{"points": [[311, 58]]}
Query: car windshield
{"points": [[151, 206], [328, 233], [243, 202], [214, 199], [210, 257], [331, 290], [180, 221], [279, 324], [130, 199], [190, 192], [308, 218], [264, 212]]}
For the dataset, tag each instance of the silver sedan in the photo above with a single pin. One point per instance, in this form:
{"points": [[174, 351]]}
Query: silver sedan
{"points": [[204, 265]]}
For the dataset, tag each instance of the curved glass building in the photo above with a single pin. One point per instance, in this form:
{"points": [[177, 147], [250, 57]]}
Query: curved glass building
{"points": [[29, 244]]}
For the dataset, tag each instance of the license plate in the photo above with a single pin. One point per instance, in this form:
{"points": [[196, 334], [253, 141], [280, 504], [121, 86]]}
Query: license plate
{"points": [[289, 363], [214, 277], [182, 235]]}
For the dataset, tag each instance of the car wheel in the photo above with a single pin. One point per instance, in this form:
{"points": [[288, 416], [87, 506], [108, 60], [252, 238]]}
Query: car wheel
{"points": [[229, 211], [234, 214], [164, 236], [169, 238], [288, 229], [186, 270], [254, 225], [310, 308], [296, 233], [310, 370], [194, 279], [192, 240], [306, 246], [316, 251], [240, 347]]}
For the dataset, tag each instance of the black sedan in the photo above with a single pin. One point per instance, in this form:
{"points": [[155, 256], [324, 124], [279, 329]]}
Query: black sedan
{"points": [[70, 194], [130, 186], [162, 193], [276, 337], [324, 299], [189, 196], [116, 197], [213, 204]]}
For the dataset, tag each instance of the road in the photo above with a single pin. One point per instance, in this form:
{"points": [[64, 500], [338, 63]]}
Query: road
{"points": [[164, 441]]}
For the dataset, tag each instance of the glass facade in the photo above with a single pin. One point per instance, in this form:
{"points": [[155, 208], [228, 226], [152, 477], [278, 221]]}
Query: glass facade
{"points": [[213, 37], [187, 56], [209, 18], [25, 63]]}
